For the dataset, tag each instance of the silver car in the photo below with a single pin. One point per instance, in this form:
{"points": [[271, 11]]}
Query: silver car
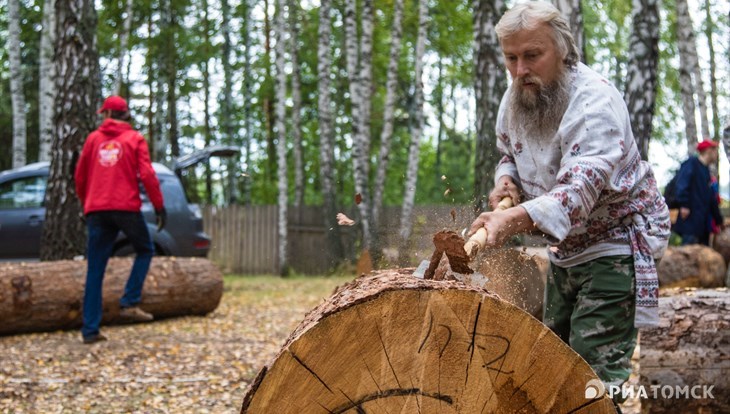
{"points": [[22, 193]]}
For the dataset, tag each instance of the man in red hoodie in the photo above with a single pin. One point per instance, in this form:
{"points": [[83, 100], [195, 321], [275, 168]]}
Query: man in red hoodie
{"points": [[113, 162]]}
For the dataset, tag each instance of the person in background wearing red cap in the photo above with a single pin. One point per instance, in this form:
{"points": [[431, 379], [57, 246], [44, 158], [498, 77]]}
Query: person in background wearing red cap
{"points": [[113, 161], [697, 200]]}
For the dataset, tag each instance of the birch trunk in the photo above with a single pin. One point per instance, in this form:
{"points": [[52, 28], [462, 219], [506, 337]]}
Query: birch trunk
{"points": [[360, 155], [409, 194], [572, 11], [121, 79], [641, 79], [709, 33], [77, 83], [326, 129], [205, 69], [280, 30], [296, 94], [171, 77], [690, 77], [16, 84], [490, 84], [388, 110], [227, 104], [47, 82], [247, 96]]}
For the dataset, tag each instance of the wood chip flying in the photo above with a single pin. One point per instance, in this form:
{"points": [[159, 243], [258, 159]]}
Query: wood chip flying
{"points": [[343, 220]]}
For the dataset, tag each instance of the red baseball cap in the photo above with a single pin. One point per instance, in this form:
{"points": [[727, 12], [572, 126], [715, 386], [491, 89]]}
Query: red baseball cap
{"points": [[114, 103], [706, 144]]}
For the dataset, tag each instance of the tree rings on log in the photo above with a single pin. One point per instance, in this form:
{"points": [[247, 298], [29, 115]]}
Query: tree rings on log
{"points": [[44, 296], [393, 343]]}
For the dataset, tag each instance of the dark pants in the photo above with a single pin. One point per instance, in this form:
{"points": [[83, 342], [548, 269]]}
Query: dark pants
{"points": [[104, 227]]}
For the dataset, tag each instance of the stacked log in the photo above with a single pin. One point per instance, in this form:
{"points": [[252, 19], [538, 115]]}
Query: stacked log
{"points": [[687, 358], [390, 342], [691, 266], [45, 296]]}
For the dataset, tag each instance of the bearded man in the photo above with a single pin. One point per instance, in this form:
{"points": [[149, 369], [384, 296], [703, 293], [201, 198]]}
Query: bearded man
{"points": [[571, 162]]}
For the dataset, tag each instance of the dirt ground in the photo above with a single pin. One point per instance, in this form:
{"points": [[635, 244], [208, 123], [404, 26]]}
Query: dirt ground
{"points": [[181, 365]]}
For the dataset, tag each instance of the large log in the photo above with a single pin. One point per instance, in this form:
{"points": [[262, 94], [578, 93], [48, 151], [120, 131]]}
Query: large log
{"points": [[690, 350], [393, 343], [691, 266], [46, 296]]}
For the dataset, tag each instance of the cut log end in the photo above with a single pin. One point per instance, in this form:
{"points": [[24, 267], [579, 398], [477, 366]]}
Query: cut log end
{"points": [[391, 342]]}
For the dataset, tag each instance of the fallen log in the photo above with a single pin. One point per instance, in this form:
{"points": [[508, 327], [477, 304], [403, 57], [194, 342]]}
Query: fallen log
{"points": [[390, 342], [691, 266], [688, 354], [45, 296]]}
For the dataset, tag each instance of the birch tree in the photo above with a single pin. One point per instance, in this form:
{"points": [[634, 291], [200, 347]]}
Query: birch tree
{"points": [[326, 130], [641, 82], [360, 138], [78, 92], [283, 198], [227, 120], [709, 34], [409, 193], [247, 96], [690, 78], [386, 134], [572, 12], [46, 82], [120, 79], [296, 94], [489, 85], [16, 84], [205, 70]]}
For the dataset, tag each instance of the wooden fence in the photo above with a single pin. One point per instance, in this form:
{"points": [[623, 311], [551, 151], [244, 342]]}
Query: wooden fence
{"points": [[245, 239]]}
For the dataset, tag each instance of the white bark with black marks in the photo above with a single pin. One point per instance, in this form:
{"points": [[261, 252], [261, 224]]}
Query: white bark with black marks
{"points": [[386, 134], [78, 92], [282, 181], [641, 79], [296, 96], [360, 142], [46, 82], [409, 193], [16, 85], [490, 82], [326, 130]]}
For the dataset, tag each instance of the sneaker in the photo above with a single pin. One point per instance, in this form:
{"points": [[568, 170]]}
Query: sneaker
{"points": [[88, 340], [135, 314]]}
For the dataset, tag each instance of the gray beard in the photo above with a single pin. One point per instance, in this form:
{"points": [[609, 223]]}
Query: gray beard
{"points": [[539, 114]]}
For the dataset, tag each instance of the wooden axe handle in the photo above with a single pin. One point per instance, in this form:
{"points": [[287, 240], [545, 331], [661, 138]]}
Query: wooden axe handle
{"points": [[477, 240]]}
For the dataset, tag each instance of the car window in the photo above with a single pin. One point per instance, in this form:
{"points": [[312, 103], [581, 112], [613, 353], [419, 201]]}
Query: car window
{"points": [[27, 192], [172, 193]]}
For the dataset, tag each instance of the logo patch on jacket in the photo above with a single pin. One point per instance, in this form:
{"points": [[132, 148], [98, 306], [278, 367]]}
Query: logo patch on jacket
{"points": [[110, 153]]}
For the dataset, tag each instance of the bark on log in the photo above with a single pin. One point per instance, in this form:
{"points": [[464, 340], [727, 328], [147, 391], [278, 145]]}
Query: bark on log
{"points": [[46, 296], [691, 266], [691, 347], [390, 342], [722, 244]]}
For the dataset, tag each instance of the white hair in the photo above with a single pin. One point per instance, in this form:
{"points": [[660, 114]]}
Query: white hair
{"points": [[529, 14]]}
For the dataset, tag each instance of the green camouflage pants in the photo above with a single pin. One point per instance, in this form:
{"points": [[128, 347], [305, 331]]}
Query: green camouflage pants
{"points": [[591, 307]]}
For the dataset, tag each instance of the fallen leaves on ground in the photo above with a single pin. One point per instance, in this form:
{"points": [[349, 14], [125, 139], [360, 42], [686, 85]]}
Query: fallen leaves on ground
{"points": [[180, 365]]}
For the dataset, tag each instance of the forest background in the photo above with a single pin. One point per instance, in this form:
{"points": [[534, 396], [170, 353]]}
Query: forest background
{"points": [[390, 103]]}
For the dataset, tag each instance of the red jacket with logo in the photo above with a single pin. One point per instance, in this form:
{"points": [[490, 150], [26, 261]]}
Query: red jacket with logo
{"points": [[114, 160]]}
